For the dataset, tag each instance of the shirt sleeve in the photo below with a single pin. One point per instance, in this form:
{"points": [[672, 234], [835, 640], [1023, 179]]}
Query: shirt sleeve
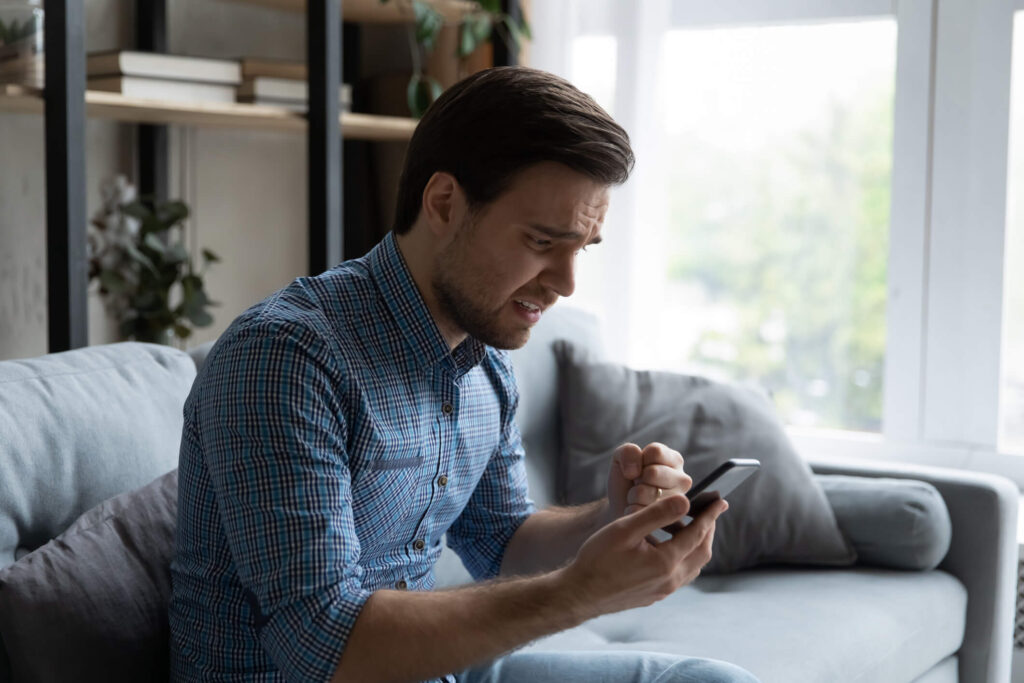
{"points": [[272, 430], [500, 503]]}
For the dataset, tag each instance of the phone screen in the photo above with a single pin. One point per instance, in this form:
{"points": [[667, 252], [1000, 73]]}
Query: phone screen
{"points": [[718, 484]]}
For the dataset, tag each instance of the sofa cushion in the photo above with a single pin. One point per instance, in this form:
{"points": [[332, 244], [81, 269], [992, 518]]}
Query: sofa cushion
{"points": [[99, 591], [780, 515], [897, 523], [81, 426], [796, 625]]}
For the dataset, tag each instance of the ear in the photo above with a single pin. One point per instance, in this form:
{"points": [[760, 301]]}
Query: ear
{"points": [[443, 204]]}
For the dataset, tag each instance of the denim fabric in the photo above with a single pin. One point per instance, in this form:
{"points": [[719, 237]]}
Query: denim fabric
{"points": [[604, 667]]}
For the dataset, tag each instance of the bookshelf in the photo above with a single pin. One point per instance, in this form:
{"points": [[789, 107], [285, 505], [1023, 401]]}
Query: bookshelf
{"points": [[375, 12], [66, 104], [113, 106]]}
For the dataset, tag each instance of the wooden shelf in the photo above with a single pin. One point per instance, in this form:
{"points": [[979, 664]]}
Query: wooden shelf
{"points": [[375, 12], [134, 110]]}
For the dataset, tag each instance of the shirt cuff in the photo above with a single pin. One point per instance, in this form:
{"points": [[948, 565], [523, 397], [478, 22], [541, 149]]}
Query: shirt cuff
{"points": [[305, 639]]}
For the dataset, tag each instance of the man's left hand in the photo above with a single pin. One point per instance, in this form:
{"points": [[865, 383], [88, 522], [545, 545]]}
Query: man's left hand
{"points": [[638, 477]]}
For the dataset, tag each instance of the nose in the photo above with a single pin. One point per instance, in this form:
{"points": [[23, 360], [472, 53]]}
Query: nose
{"points": [[560, 274]]}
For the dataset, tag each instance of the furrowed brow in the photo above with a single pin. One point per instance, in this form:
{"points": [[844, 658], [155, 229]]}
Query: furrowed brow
{"points": [[564, 235]]}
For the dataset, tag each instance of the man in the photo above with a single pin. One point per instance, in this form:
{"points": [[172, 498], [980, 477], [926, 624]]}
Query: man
{"points": [[344, 425]]}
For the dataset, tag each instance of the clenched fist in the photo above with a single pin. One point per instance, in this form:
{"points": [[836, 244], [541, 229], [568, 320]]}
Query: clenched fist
{"points": [[638, 477]]}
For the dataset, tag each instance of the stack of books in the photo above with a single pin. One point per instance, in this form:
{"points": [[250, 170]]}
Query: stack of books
{"points": [[155, 76], [281, 84]]}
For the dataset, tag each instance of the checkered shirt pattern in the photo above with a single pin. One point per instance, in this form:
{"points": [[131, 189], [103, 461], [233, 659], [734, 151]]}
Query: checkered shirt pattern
{"points": [[330, 441]]}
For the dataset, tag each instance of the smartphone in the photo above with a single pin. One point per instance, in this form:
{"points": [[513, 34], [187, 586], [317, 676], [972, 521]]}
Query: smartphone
{"points": [[718, 484]]}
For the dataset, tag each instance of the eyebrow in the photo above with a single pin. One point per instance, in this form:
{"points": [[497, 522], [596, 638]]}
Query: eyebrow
{"points": [[567, 235]]}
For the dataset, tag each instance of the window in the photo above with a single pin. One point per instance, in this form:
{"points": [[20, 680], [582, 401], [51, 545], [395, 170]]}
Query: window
{"points": [[767, 255], [779, 170], [1011, 402], [824, 204]]}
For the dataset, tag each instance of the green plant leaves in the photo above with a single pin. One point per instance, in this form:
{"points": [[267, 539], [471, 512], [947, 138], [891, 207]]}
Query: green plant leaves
{"points": [[15, 30], [519, 31], [429, 23], [113, 281], [155, 262], [137, 210], [141, 258], [153, 242], [474, 30], [173, 212], [421, 93]]}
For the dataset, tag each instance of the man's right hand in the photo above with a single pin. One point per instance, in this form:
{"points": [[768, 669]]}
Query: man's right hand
{"points": [[619, 568]]}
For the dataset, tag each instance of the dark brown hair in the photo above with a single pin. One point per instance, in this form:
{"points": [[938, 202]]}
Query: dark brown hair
{"points": [[488, 127]]}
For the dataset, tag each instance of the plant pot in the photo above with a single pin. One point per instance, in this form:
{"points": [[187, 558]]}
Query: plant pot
{"points": [[164, 336], [21, 43]]}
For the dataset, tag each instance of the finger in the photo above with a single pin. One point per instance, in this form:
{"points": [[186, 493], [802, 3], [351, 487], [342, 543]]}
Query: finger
{"points": [[638, 525], [660, 476], [644, 495], [629, 459], [684, 542], [659, 454]]}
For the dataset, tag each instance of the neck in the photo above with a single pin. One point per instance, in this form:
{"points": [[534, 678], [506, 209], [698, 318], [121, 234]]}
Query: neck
{"points": [[418, 253]]}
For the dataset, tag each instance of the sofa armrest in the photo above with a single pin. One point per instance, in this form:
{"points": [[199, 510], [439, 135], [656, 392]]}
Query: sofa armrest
{"points": [[983, 555]]}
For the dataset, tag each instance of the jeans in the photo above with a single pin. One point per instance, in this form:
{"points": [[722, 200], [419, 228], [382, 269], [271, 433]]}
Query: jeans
{"points": [[604, 667]]}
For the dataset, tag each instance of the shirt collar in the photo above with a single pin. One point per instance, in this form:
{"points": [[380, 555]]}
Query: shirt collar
{"points": [[422, 336]]}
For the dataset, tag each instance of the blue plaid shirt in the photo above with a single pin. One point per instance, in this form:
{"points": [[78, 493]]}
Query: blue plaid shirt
{"points": [[330, 441]]}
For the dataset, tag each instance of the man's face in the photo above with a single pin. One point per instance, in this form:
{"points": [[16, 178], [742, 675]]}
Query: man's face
{"points": [[513, 259]]}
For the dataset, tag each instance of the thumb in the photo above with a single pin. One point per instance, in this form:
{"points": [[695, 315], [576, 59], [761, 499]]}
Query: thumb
{"points": [[639, 525], [629, 458]]}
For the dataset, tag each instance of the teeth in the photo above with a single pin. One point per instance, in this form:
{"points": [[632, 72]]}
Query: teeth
{"points": [[527, 305]]}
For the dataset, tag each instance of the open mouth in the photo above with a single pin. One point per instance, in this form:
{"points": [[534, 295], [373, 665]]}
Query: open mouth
{"points": [[526, 305]]}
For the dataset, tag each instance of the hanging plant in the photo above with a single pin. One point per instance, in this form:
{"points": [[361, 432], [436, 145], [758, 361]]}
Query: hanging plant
{"points": [[476, 27]]}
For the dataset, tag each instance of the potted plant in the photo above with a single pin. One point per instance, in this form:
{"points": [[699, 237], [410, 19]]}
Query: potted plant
{"points": [[145, 274], [475, 28], [21, 43]]}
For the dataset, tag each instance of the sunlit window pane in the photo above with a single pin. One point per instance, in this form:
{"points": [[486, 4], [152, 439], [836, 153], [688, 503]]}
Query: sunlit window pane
{"points": [[1012, 394], [779, 156]]}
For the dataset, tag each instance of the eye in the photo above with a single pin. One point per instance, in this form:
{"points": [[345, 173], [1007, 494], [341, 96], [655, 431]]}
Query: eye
{"points": [[540, 242]]}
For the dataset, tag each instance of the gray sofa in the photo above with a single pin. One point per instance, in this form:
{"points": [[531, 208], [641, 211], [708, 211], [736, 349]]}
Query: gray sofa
{"points": [[80, 427]]}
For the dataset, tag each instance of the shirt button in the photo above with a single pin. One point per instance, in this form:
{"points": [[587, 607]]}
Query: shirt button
{"points": [[442, 480], [401, 585], [419, 544], [447, 409]]}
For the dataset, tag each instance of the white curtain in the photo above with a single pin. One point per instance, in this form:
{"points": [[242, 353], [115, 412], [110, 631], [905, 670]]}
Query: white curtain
{"points": [[610, 50]]}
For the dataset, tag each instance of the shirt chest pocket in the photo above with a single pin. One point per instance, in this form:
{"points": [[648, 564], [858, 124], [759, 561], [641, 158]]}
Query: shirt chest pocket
{"points": [[386, 494]]}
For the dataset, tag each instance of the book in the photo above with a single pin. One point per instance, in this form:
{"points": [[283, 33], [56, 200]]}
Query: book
{"points": [[254, 67], [163, 89], [276, 88], [156, 65], [267, 90]]}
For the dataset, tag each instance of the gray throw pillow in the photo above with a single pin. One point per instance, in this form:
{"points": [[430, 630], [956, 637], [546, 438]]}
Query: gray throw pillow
{"points": [[896, 523], [91, 605], [780, 515]]}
